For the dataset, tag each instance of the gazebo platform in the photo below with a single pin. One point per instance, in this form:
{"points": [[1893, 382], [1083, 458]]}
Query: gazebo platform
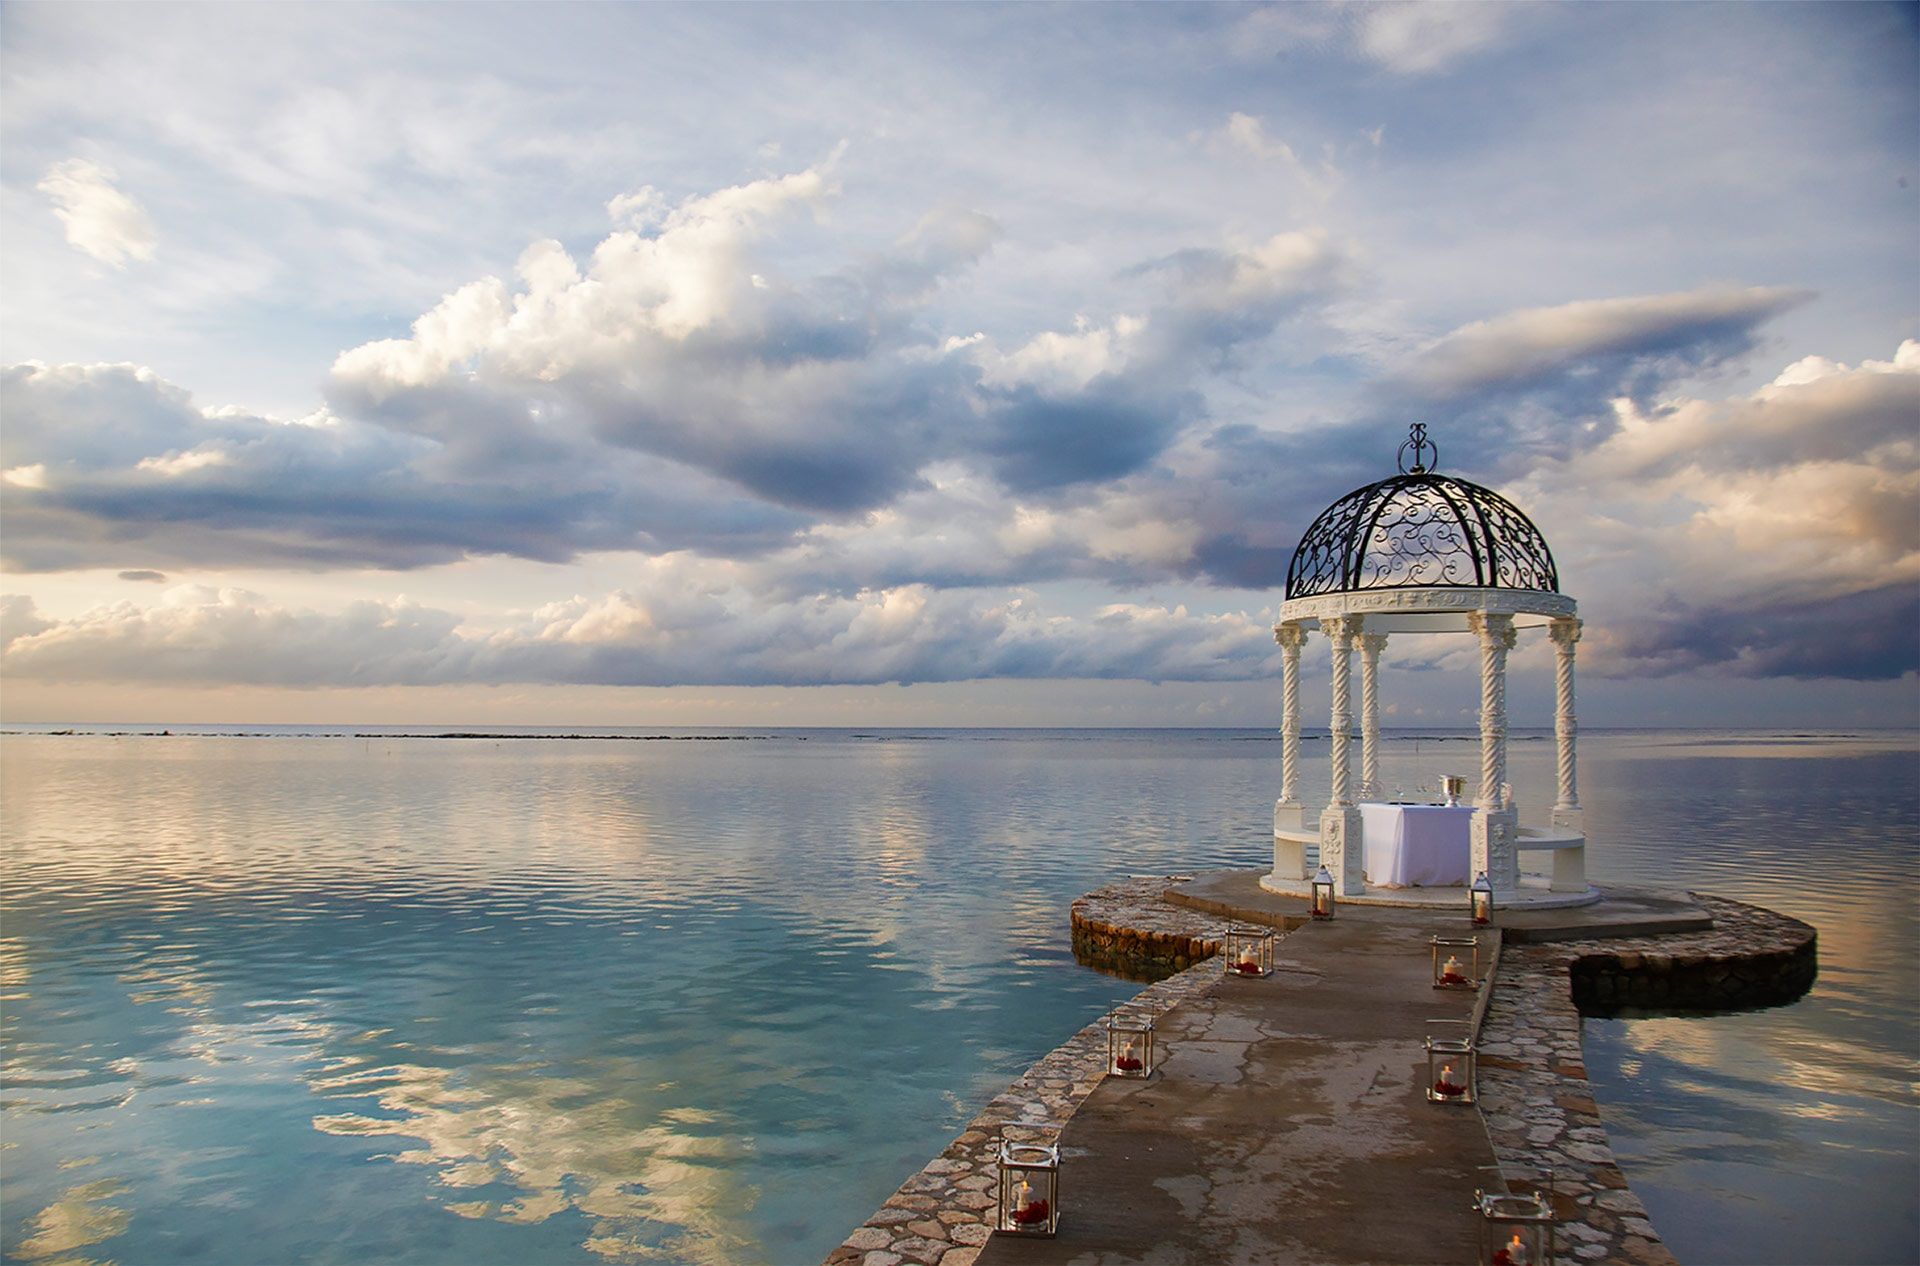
{"points": [[1246, 896]]}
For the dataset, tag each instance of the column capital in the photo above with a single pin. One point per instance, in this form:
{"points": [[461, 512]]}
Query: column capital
{"points": [[1290, 635], [1341, 630], [1493, 627], [1564, 632], [1373, 642]]}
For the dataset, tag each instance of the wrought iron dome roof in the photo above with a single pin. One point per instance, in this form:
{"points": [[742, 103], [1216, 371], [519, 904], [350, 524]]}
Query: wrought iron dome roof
{"points": [[1419, 530]]}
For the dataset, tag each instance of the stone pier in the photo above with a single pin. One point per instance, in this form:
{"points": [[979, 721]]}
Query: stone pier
{"points": [[1288, 1122]]}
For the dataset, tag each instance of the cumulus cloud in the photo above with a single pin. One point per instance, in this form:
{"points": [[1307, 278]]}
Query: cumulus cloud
{"points": [[672, 391], [1772, 534], [99, 220], [684, 627]]}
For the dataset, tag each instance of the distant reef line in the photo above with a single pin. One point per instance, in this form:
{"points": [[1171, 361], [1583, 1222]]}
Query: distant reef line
{"points": [[450, 734]]}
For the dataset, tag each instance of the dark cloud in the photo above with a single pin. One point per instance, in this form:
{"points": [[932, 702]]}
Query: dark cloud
{"points": [[1869, 636], [144, 575], [1037, 442], [199, 490]]}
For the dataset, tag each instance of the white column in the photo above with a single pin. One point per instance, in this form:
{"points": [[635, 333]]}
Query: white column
{"points": [[1342, 631], [1289, 815], [1496, 824], [1566, 805], [1371, 644], [1340, 844]]}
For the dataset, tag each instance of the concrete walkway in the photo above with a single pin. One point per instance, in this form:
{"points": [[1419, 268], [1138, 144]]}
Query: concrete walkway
{"points": [[1289, 1122]]}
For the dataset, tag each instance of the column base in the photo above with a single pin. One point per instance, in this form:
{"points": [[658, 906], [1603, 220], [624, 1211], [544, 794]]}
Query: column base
{"points": [[1573, 819], [1492, 850], [1341, 849]]}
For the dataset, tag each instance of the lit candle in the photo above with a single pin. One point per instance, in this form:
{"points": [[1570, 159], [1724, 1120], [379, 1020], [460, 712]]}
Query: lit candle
{"points": [[1249, 958], [1453, 966], [1514, 1254], [1026, 1209], [1127, 1061]]}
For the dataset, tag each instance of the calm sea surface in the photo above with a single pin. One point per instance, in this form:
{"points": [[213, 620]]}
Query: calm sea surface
{"points": [[311, 997]]}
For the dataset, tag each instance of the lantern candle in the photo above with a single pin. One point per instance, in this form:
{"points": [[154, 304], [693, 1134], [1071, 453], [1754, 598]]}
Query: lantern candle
{"points": [[1515, 1230], [1130, 1045], [1450, 970], [1027, 1209], [1320, 905], [1480, 900], [1450, 1062], [1513, 1253], [1029, 1189], [1247, 951]]}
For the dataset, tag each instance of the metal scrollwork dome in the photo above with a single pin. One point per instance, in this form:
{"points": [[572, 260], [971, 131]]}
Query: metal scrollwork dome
{"points": [[1421, 530]]}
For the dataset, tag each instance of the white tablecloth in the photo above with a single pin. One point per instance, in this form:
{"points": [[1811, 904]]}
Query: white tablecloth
{"points": [[1413, 845]]}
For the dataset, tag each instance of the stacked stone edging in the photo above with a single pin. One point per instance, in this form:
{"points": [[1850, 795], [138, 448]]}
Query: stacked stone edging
{"points": [[1536, 1101], [1128, 927], [1753, 957], [944, 1213]]}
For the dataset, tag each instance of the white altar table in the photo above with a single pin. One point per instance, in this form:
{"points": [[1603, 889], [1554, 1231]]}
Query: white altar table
{"points": [[1413, 845]]}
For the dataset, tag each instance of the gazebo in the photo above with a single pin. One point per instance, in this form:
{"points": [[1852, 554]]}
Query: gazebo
{"points": [[1420, 552]]}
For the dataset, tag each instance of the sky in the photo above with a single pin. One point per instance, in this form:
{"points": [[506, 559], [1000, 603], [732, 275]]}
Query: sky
{"points": [[941, 365]]}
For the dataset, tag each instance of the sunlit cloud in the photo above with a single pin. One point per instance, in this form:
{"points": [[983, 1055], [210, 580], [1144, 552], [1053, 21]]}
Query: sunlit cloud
{"points": [[99, 220]]}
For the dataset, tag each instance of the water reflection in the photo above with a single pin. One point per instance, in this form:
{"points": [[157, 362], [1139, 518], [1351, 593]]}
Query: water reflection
{"points": [[80, 1218], [337, 1001], [531, 1145]]}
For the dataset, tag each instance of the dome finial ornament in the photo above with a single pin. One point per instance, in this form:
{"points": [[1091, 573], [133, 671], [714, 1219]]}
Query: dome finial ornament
{"points": [[1417, 444]]}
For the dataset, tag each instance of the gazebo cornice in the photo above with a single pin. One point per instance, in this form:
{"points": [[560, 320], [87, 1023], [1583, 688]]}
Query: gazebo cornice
{"points": [[1428, 608]]}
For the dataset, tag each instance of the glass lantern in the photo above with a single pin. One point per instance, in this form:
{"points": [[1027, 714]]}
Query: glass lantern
{"points": [[1322, 906], [1515, 1230], [1130, 1046], [1029, 1189], [1456, 962], [1450, 1062], [1247, 951], [1480, 900]]}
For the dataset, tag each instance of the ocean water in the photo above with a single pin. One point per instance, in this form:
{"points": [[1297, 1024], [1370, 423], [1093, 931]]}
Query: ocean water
{"points": [[301, 995]]}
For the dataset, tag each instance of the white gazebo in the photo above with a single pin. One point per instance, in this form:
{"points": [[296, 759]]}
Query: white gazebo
{"points": [[1424, 553]]}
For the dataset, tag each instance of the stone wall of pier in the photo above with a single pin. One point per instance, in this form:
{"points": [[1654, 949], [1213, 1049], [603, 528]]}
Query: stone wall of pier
{"points": [[1754, 957], [1126, 928]]}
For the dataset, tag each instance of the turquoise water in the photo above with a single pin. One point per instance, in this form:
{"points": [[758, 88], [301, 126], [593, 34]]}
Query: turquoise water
{"points": [[333, 999]]}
